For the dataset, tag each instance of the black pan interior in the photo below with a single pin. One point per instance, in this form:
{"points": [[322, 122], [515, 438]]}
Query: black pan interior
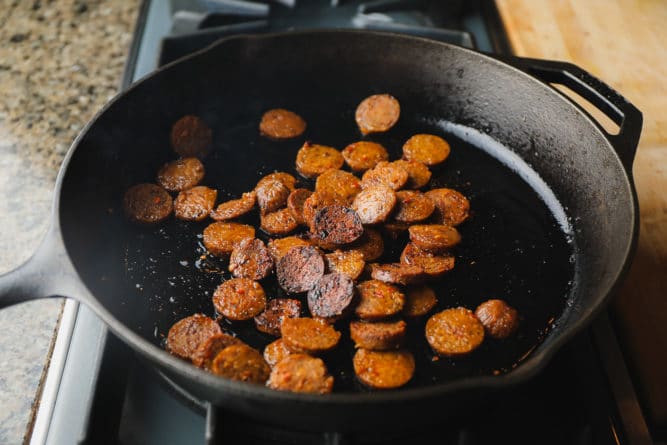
{"points": [[513, 246]]}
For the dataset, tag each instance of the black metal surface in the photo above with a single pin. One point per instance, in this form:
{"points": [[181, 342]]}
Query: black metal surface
{"points": [[437, 81]]}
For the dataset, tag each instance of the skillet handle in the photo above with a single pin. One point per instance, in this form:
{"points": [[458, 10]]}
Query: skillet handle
{"points": [[48, 273], [606, 99]]}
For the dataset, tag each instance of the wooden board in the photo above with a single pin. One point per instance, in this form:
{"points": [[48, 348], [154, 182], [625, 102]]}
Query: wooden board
{"points": [[624, 43]]}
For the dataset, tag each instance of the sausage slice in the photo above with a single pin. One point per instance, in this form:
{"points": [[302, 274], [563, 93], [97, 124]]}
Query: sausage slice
{"points": [[451, 207], [235, 207], [378, 336], [203, 357], [434, 265], [295, 202], [309, 335], [195, 204], [384, 369], [364, 155], [500, 320], [397, 273], [374, 204], [276, 311], [419, 301], [348, 262], [288, 180], [337, 224], [280, 246], [241, 362], [280, 222], [221, 237], [190, 136], [370, 244], [312, 159], [331, 296], [434, 238], [250, 259], [147, 204], [301, 373], [377, 113], [378, 300], [281, 124], [385, 173], [412, 206], [338, 182], [454, 332], [299, 269], [426, 148], [275, 352], [418, 173], [188, 334], [239, 299], [181, 174], [317, 201], [271, 195]]}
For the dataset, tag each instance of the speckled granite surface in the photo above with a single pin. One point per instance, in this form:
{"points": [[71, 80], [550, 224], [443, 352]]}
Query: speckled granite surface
{"points": [[60, 61]]}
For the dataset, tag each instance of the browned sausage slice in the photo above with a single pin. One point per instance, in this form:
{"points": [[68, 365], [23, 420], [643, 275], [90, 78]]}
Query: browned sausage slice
{"points": [[250, 259], [276, 311], [378, 300], [374, 204], [378, 336], [288, 180], [500, 320], [451, 207], [348, 262], [412, 207], [338, 182], [377, 113], [147, 203], [426, 148], [397, 273], [221, 237], [275, 352], [317, 201], [241, 362], [331, 296], [301, 373], [337, 224], [309, 335], [312, 159], [281, 124], [280, 246], [190, 136], [394, 229], [454, 332], [203, 357], [195, 204], [435, 238], [280, 222], [189, 333], [434, 265], [419, 301], [235, 208], [299, 269], [239, 299], [181, 174], [295, 202], [370, 245], [384, 369], [418, 173], [271, 195], [364, 155], [392, 175]]}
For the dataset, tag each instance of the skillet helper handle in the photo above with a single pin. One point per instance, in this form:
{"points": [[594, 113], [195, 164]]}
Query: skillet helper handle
{"points": [[47, 273], [606, 99]]}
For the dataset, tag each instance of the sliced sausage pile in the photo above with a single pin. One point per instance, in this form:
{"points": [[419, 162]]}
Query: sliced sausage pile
{"points": [[322, 249]]}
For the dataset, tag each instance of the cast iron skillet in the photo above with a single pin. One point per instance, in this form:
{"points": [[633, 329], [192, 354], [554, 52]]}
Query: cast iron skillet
{"points": [[92, 254]]}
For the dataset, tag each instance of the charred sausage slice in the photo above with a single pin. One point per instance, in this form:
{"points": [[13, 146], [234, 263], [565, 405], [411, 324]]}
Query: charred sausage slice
{"points": [[181, 174], [378, 336], [275, 352], [189, 333], [454, 332], [337, 224], [451, 207], [221, 237], [378, 300], [384, 369], [239, 299], [499, 319], [338, 182], [426, 148], [241, 362], [250, 259], [203, 357], [374, 204], [280, 246], [299, 269], [309, 335], [418, 173], [195, 204], [147, 204], [317, 201], [434, 238], [190, 136], [276, 311], [434, 265], [280, 222], [235, 208], [419, 301], [331, 296], [281, 124], [397, 273], [312, 159], [348, 262], [385, 173], [301, 373], [295, 202], [377, 113], [364, 155], [412, 207]]}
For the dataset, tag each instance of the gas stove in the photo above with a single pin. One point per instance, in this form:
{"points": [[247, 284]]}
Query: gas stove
{"points": [[98, 391]]}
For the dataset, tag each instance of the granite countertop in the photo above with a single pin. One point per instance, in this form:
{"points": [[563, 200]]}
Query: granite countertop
{"points": [[60, 61]]}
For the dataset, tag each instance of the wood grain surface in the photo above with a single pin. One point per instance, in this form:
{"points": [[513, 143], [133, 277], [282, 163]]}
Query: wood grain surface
{"points": [[624, 43]]}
